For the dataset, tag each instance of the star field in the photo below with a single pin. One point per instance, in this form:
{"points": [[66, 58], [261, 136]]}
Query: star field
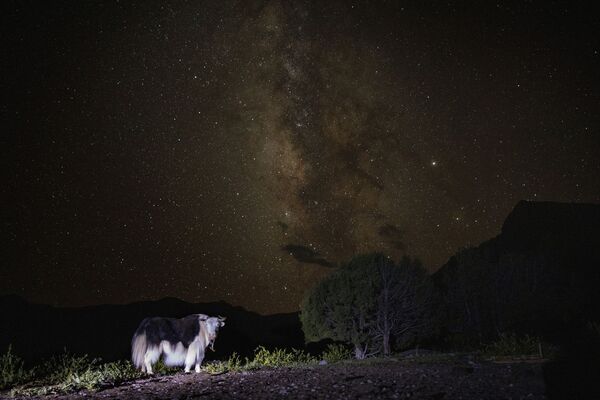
{"points": [[238, 150]]}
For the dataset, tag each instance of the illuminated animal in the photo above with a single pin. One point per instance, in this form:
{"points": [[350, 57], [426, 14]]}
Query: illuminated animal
{"points": [[182, 341]]}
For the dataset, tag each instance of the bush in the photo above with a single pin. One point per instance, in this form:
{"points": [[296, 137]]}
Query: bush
{"points": [[58, 368], [97, 376], [336, 353], [11, 370], [233, 364], [280, 357], [160, 369], [215, 367], [512, 345], [262, 358], [68, 373]]}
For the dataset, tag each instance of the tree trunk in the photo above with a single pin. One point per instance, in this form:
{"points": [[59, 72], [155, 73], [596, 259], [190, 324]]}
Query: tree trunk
{"points": [[359, 352], [386, 344]]}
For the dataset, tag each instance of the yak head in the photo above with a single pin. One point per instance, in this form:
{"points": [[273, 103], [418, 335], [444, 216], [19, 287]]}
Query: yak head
{"points": [[212, 325]]}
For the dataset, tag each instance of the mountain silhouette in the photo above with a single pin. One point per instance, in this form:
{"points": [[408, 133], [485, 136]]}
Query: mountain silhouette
{"points": [[540, 274], [38, 331]]}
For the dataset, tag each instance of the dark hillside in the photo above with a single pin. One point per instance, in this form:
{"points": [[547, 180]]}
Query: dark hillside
{"points": [[543, 270], [37, 331], [540, 276]]}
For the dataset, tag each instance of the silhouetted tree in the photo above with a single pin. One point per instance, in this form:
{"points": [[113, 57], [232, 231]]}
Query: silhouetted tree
{"points": [[342, 307], [368, 301], [405, 300]]}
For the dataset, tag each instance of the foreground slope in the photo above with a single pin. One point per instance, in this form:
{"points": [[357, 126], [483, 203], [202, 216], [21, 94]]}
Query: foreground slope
{"points": [[357, 380]]}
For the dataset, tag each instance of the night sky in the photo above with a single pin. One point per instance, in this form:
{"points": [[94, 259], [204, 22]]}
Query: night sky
{"points": [[240, 150]]}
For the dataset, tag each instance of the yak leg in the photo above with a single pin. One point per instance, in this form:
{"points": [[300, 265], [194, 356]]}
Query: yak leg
{"points": [[199, 358], [190, 358], [152, 355], [148, 364]]}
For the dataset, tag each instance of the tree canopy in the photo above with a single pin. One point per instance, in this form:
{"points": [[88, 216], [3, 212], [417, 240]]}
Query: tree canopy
{"points": [[368, 301]]}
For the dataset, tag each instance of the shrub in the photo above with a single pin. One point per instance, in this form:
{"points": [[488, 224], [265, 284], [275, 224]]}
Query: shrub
{"points": [[68, 373], [215, 367], [280, 357], [513, 345], [57, 369], [11, 370], [233, 364], [97, 376], [262, 358], [160, 368], [121, 371], [336, 353]]}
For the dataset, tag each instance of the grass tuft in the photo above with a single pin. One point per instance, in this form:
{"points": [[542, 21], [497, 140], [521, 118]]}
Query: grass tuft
{"points": [[263, 358], [11, 370], [513, 345], [59, 368], [233, 364], [161, 369], [280, 357], [336, 353], [68, 373]]}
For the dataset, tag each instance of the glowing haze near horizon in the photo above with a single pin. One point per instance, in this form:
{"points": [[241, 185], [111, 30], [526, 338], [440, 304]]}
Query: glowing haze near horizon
{"points": [[238, 151]]}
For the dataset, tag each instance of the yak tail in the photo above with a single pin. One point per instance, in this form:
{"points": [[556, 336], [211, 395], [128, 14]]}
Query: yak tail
{"points": [[139, 345]]}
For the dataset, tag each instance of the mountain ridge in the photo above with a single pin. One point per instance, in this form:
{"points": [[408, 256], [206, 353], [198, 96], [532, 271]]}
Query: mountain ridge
{"points": [[38, 331], [540, 273]]}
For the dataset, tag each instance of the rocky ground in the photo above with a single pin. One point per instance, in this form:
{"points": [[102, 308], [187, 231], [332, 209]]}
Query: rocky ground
{"points": [[366, 380]]}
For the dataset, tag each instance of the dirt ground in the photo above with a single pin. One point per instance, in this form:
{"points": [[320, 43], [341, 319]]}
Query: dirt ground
{"points": [[382, 380]]}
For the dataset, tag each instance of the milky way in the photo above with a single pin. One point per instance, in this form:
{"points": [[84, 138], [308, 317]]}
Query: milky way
{"points": [[241, 151]]}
